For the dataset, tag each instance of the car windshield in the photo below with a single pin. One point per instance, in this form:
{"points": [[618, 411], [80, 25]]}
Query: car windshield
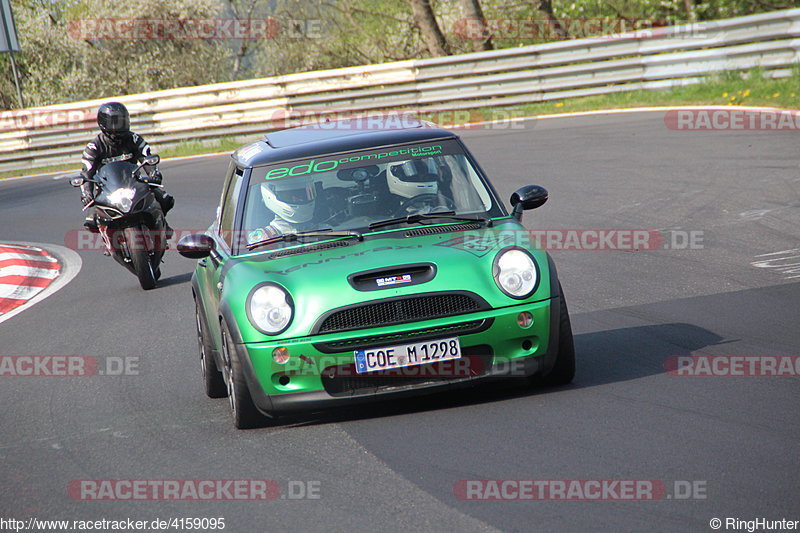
{"points": [[351, 191]]}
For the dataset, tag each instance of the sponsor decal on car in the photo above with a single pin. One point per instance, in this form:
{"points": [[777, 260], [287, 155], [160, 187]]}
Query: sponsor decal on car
{"points": [[393, 280], [314, 166]]}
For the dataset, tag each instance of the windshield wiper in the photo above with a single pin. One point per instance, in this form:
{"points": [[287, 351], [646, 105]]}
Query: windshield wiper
{"points": [[291, 237], [419, 217]]}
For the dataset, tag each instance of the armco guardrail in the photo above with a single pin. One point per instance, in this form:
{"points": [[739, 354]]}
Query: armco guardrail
{"points": [[664, 57]]}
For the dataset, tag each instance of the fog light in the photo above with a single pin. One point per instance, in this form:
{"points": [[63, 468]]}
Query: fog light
{"points": [[527, 345], [524, 320], [280, 355]]}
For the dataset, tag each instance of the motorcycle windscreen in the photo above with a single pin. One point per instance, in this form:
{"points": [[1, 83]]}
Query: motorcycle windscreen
{"points": [[115, 176]]}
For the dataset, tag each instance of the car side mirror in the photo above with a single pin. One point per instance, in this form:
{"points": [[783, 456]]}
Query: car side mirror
{"points": [[527, 197], [196, 246]]}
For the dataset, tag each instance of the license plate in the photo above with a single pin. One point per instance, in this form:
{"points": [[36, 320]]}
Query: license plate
{"points": [[418, 353]]}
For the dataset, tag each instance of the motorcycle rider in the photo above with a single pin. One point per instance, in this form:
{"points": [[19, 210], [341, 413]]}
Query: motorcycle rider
{"points": [[116, 142]]}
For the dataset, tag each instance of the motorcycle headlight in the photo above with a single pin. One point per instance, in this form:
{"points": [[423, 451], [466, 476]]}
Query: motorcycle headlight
{"points": [[269, 308], [515, 273], [122, 198]]}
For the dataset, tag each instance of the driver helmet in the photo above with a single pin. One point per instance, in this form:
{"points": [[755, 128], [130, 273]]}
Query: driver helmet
{"points": [[413, 177], [114, 120], [292, 200]]}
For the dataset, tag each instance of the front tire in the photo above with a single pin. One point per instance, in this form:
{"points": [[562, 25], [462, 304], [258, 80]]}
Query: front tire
{"points": [[245, 414], [213, 383], [140, 257], [563, 371]]}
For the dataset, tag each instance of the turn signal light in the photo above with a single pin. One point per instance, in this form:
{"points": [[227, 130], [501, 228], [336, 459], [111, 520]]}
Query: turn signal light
{"points": [[280, 355], [524, 320]]}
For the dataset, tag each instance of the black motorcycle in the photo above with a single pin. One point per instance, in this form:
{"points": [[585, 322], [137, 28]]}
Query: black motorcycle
{"points": [[129, 218]]}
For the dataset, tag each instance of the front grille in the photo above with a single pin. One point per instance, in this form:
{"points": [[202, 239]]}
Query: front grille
{"points": [[463, 328], [433, 230], [311, 248], [343, 380], [400, 310]]}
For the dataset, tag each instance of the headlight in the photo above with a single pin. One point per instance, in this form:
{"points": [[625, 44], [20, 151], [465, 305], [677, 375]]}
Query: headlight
{"points": [[269, 308], [122, 198], [515, 272]]}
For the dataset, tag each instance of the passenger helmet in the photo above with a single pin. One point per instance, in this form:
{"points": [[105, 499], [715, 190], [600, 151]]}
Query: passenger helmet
{"points": [[292, 200], [414, 177]]}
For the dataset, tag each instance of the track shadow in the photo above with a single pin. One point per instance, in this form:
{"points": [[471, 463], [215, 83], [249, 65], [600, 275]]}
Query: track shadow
{"points": [[175, 280], [634, 352]]}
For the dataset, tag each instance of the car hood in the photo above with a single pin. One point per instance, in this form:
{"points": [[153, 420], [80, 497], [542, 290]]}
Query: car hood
{"points": [[327, 279]]}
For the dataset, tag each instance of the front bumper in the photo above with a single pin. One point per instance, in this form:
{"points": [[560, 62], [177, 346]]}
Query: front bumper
{"points": [[318, 376]]}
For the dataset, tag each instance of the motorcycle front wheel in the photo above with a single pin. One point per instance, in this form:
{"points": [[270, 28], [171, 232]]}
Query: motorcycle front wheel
{"points": [[139, 247]]}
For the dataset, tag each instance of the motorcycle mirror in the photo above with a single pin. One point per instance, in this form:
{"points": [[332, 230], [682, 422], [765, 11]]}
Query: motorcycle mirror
{"points": [[67, 176], [76, 182], [150, 160]]}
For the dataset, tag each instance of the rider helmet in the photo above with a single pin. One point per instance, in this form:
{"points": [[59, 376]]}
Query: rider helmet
{"points": [[114, 120]]}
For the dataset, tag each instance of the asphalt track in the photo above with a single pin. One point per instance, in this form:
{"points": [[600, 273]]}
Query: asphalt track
{"points": [[394, 466]]}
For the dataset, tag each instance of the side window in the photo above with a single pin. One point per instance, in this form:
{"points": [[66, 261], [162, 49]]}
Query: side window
{"points": [[230, 200], [225, 186]]}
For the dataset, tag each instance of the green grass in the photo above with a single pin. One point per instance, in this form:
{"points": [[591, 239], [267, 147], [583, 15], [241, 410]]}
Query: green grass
{"points": [[731, 88], [185, 148], [75, 167]]}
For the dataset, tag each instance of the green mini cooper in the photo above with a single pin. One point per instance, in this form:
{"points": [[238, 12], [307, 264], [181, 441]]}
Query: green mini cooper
{"points": [[349, 263]]}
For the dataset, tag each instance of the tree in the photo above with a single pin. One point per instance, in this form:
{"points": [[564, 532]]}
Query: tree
{"points": [[59, 62], [324, 34], [425, 21], [546, 7], [472, 9], [76, 50]]}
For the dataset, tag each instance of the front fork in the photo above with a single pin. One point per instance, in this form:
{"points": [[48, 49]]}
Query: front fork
{"points": [[106, 239]]}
